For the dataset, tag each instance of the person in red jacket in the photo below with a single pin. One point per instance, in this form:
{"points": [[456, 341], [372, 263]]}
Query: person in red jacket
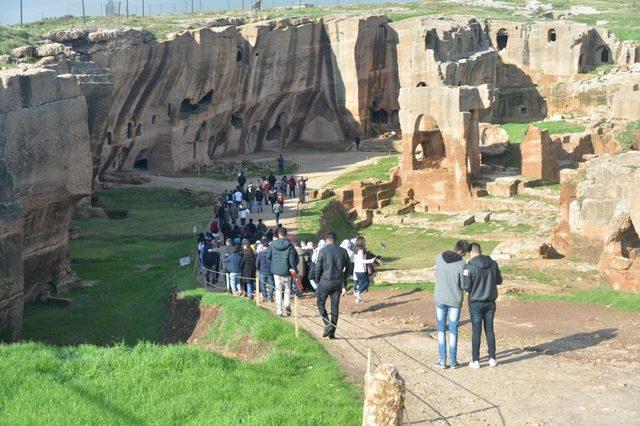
{"points": [[292, 186]]}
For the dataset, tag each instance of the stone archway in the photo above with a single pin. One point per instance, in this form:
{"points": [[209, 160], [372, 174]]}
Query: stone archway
{"points": [[502, 38]]}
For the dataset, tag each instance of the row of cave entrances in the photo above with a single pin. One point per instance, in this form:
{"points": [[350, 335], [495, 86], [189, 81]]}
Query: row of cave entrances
{"points": [[602, 52]]}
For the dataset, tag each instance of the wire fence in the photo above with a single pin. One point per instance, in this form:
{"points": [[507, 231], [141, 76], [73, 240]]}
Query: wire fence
{"points": [[30, 10]]}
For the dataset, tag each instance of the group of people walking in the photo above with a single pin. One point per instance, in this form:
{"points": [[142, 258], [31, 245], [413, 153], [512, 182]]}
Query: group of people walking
{"points": [[479, 277], [232, 255]]}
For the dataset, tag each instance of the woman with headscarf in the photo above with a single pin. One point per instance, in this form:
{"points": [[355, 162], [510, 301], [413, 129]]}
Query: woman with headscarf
{"points": [[361, 268], [314, 258], [347, 245]]}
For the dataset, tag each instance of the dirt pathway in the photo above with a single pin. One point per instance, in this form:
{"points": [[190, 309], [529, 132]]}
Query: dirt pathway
{"points": [[319, 167], [526, 388]]}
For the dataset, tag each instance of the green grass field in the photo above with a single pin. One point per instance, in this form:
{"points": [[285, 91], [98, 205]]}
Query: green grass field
{"points": [[98, 361], [378, 170], [620, 300], [517, 132]]}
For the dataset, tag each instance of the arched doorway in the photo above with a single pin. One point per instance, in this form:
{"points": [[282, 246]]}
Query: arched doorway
{"points": [[142, 162], [502, 38]]}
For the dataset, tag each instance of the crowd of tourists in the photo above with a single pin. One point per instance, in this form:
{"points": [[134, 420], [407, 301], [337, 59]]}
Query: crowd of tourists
{"points": [[235, 250]]}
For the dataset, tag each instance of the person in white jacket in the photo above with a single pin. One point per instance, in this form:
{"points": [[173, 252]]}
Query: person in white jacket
{"points": [[347, 245], [360, 263]]}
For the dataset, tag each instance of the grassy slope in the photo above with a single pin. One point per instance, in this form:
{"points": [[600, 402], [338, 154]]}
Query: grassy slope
{"points": [[517, 132], [119, 375], [378, 170], [623, 18]]}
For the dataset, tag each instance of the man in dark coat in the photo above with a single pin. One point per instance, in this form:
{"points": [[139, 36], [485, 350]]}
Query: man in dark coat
{"points": [[331, 267], [283, 259]]}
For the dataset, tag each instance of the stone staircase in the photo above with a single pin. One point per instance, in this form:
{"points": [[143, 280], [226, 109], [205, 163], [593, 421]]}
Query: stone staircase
{"points": [[88, 73], [387, 145]]}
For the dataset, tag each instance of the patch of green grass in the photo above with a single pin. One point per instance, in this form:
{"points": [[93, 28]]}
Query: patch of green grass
{"points": [[378, 170], [98, 360], [620, 300], [530, 274], [311, 221], [429, 286], [517, 131], [630, 135], [410, 248], [494, 227]]}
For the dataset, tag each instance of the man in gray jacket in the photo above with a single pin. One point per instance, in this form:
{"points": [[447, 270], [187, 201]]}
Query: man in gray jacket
{"points": [[448, 298]]}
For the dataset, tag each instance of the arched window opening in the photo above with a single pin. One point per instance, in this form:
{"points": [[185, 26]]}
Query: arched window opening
{"points": [[551, 35], [502, 38]]}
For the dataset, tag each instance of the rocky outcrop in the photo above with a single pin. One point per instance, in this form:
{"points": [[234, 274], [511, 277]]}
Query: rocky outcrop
{"points": [[44, 141], [600, 215], [11, 293], [539, 156]]}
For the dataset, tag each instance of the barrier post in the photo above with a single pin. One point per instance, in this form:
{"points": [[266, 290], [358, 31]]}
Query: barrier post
{"points": [[227, 280], [256, 290], [384, 391], [295, 315]]}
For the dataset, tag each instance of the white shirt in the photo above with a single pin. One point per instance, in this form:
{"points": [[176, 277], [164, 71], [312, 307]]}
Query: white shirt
{"points": [[238, 196], [359, 262], [243, 213]]}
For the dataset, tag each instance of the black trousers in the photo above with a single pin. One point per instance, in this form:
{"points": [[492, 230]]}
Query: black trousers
{"points": [[325, 292], [482, 313]]}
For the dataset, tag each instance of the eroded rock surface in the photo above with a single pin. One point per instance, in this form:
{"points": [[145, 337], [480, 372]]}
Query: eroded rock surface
{"points": [[44, 143]]}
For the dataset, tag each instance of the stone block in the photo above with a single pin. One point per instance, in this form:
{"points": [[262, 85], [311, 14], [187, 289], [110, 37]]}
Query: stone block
{"points": [[503, 187]]}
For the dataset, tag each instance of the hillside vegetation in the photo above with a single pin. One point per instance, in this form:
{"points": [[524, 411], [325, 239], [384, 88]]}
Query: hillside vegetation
{"points": [[622, 18]]}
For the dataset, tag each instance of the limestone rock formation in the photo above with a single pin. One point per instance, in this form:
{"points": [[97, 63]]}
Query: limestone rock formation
{"points": [[494, 140], [11, 293], [539, 156], [600, 217], [44, 143]]}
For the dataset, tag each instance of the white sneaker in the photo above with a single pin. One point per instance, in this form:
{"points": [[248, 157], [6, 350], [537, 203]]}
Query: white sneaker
{"points": [[492, 362], [474, 364]]}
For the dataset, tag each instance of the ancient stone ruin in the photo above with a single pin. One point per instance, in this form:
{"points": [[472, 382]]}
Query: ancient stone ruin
{"points": [[98, 102]]}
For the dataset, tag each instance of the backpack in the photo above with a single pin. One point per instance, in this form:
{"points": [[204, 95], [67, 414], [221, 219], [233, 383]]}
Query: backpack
{"points": [[277, 208]]}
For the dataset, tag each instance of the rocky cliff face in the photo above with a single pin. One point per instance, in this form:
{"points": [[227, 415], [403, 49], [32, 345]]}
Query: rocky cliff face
{"points": [[44, 142], [600, 216], [10, 259], [200, 94]]}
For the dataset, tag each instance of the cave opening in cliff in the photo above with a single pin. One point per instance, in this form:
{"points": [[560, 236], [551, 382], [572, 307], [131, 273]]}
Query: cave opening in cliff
{"points": [[502, 38], [139, 130], [187, 107], [109, 138], [430, 41], [630, 243], [141, 162], [236, 121], [275, 132], [129, 130], [216, 142], [551, 35], [379, 116], [459, 46], [422, 84], [239, 55]]}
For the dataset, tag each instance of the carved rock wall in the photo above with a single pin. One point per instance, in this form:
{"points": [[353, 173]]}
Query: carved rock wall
{"points": [[11, 294], [44, 141]]}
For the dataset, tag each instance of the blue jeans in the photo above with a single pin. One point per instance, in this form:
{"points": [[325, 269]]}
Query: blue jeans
{"points": [[250, 206], [267, 280], [236, 283], [363, 281], [250, 284], [259, 206], [444, 312]]}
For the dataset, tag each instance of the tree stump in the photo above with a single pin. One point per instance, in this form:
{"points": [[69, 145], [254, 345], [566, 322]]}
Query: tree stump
{"points": [[383, 397]]}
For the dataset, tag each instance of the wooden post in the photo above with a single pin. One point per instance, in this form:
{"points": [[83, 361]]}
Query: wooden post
{"points": [[383, 397], [227, 280], [368, 361], [295, 315], [256, 290]]}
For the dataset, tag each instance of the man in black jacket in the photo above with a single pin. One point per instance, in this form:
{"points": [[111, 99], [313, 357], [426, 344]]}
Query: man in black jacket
{"points": [[283, 259], [331, 267], [480, 277]]}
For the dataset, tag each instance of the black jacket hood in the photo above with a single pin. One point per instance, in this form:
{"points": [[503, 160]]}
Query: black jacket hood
{"points": [[451, 257]]}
